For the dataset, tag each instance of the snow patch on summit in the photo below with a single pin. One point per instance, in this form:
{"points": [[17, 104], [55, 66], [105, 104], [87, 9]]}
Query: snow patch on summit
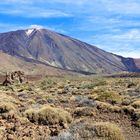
{"points": [[29, 31]]}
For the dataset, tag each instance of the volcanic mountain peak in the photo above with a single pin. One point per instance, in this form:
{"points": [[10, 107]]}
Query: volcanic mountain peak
{"points": [[29, 31], [46, 47]]}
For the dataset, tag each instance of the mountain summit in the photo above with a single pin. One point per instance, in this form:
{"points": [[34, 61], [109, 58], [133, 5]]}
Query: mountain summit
{"points": [[48, 48]]}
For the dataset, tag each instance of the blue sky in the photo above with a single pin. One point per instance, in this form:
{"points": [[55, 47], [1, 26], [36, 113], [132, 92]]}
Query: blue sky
{"points": [[113, 25]]}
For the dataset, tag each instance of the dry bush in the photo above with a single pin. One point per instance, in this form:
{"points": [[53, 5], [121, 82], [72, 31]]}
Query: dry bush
{"points": [[128, 109], [6, 107], [84, 111], [93, 131], [115, 109], [110, 97], [104, 95], [91, 85], [138, 123], [136, 104], [47, 83], [48, 115], [102, 105], [131, 84], [126, 101], [2, 130], [137, 113], [108, 131], [107, 107]]}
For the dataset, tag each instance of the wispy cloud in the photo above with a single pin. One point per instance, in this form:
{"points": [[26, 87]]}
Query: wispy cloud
{"points": [[34, 12], [122, 7], [12, 27], [123, 43]]}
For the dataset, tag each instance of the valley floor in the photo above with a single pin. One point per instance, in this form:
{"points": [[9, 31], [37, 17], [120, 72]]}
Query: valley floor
{"points": [[71, 108]]}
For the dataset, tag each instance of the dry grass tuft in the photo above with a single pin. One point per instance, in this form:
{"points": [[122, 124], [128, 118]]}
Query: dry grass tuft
{"points": [[84, 111], [136, 104], [138, 123], [6, 107], [97, 131], [110, 97], [48, 115], [128, 109], [8, 104], [107, 107], [108, 131]]}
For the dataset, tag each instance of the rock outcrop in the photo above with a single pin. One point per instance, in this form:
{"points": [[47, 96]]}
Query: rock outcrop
{"points": [[14, 77]]}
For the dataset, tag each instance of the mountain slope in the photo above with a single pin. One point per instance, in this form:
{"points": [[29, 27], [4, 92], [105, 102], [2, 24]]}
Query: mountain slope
{"points": [[137, 62], [10, 63], [45, 47]]}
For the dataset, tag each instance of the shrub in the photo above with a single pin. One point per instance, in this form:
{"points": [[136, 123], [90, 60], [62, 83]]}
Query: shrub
{"points": [[137, 113], [126, 101], [8, 103], [93, 84], [131, 84], [102, 105], [138, 123], [6, 107], [93, 131], [2, 130], [84, 111], [115, 109], [136, 104], [108, 131], [47, 83], [128, 109], [107, 107], [48, 115], [110, 97]]}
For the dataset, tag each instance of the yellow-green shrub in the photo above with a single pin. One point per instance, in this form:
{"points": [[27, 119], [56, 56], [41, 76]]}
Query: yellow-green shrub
{"points": [[107, 107], [84, 111], [128, 109], [138, 123], [6, 107], [110, 97], [136, 104], [97, 131], [48, 115], [108, 131]]}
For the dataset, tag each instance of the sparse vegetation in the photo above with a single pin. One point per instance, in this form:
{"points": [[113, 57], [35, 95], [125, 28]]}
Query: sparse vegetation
{"points": [[71, 108], [93, 84]]}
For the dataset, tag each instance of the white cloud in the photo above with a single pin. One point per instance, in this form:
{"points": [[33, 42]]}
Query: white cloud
{"points": [[36, 26], [132, 54], [124, 43], [122, 6], [132, 35], [79, 2], [34, 12], [16, 2], [12, 27]]}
